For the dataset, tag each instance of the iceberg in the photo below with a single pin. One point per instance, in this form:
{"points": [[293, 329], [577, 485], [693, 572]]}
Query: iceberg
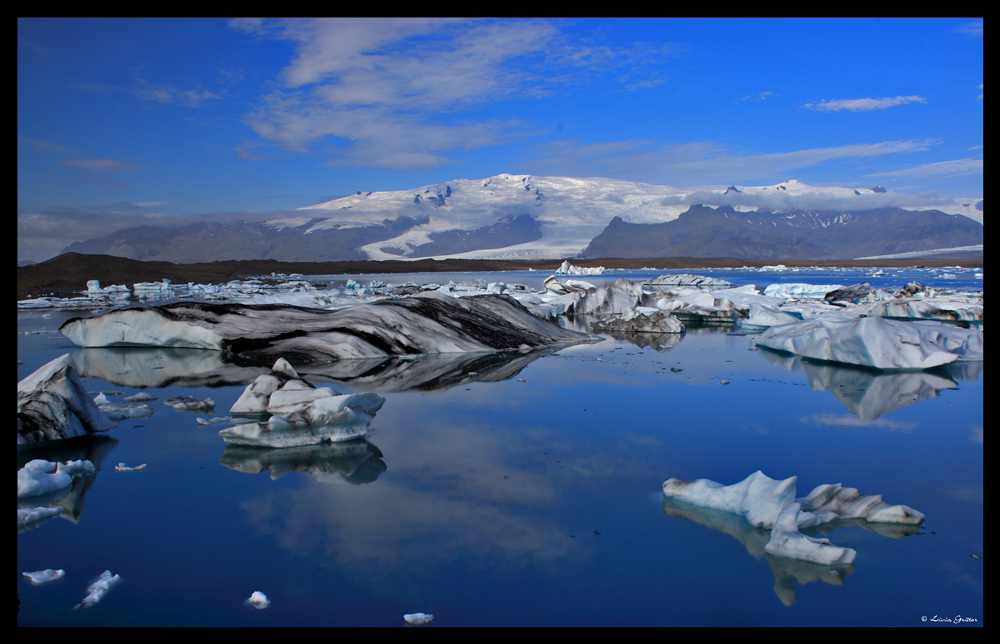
{"points": [[639, 321], [258, 600], [97, 590], [189, 403], [53, 404], [771, 505], [418, 619], [40, 477], [28, 517], [568, 269], [876, 342], [922, 309], [424, 323], [766, 316], [689, 280], [790, 291], [43, 576], [300, 413]]}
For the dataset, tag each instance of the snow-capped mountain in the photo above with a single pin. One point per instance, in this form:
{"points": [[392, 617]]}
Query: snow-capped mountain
{"points": [[511, 217]]}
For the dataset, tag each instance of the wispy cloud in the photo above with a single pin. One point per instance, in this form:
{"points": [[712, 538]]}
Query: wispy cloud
{"points": [[694, 164], [98, 165], [955, 167], [389, 93], [863, 104], [974, 28]]}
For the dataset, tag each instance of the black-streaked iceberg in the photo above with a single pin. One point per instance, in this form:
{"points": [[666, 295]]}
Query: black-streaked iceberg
{"points": [[425, 323], [53, 404]]}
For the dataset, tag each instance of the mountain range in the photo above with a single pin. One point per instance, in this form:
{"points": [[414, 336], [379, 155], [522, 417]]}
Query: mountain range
{"points": [[527, 217]]}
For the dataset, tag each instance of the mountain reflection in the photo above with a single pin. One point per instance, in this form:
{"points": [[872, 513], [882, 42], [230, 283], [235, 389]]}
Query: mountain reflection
{"points": [[870, 393], [163, 367], [354, 462]]}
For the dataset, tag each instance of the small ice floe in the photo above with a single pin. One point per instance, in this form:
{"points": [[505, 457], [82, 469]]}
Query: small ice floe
{"points": [[97, 590], [876, 342], [771, 505], [40, 477], [258, 600], [418, 619], [42, 576], [121, 467], [141, 397], [53, 404], [568, 269], [189, 403]]}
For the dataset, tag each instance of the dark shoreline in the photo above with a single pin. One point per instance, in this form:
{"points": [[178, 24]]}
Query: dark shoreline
{"points": [[67, 274]]}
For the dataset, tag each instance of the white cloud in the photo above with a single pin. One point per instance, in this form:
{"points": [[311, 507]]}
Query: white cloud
{"points": [[863, 104], [974, 28], [388, 92]]}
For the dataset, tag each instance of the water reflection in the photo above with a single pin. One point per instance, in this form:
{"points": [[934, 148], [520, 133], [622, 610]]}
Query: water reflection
{"points": [[354, 462], [787, 572], [93, 448], [157, 368], [869, 393]]}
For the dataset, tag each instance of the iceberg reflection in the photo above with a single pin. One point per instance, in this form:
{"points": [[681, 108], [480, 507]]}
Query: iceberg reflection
{"points": [[354, 462], [869, 393], [787, 572]]}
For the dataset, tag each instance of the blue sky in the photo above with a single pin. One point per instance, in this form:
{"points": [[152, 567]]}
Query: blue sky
{"points": [[123, 120]]}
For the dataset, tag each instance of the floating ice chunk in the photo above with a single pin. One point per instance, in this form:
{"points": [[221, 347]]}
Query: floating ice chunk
{"points": [[927, 309], [418, 619], [862, 293], [766, 316], [757, 498], [121, 467], [97, 590], [53, 404], [140, 397], [258, 600], [876, 342], [772, 505], [687, 279], [797, 290], [787, 541], [40, 477], [189, 403], [639, 321], [43, 576], [568, 269]]}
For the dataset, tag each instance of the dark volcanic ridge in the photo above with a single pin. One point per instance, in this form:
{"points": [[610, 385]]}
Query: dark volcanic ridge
{"points": [[67, 274]]}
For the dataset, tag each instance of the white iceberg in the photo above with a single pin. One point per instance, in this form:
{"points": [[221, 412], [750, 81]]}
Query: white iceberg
{"points": [[121, 467], [418, 619], [766, 316], [568, 269], [53, 404], [40, 477], [689, 280], [789, 291], [771, 505], [300, 414], [876, 342], [929, 309], [43, 576], [639, 321], [97, 590]]}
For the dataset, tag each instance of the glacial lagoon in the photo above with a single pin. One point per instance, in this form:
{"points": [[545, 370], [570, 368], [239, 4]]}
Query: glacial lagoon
{"points": [[518, 490]]}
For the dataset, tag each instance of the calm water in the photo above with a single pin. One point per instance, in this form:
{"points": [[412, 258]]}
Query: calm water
{"points": [[492, 502]]}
